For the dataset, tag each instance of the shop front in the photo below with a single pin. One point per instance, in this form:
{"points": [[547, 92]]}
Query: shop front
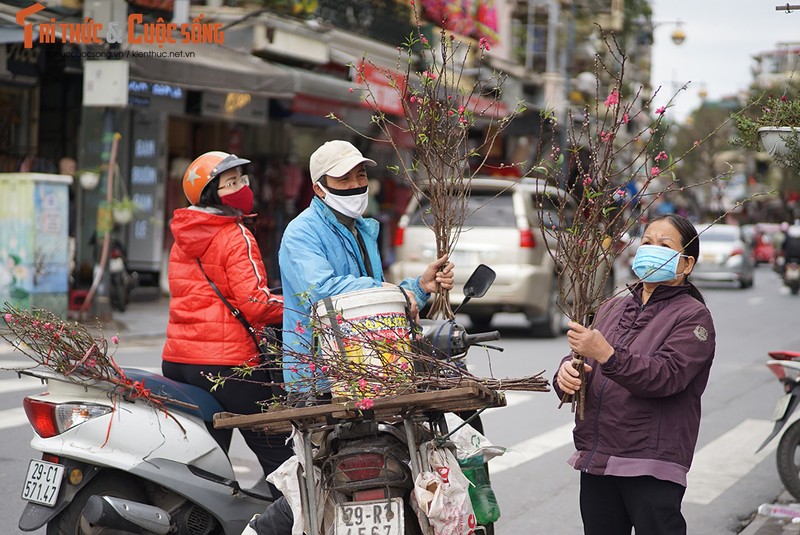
{"points": [[196, 99]]}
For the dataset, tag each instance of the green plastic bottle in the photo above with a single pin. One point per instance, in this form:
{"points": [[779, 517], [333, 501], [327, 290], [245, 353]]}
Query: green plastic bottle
{"points": [[484, 502]]}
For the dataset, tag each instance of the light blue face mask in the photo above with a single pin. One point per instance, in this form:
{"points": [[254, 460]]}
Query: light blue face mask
{"points": [[654, 263]]}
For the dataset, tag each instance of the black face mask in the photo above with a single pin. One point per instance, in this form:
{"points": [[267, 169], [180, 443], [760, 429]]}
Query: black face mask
{"points": [[345, 192]]}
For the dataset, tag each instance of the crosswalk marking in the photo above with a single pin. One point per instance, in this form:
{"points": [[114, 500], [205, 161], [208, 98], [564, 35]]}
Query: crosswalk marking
{"points": [[12, 418], [709, 476], [18, 385], [723, 461], [517, 398], [532, 448]]}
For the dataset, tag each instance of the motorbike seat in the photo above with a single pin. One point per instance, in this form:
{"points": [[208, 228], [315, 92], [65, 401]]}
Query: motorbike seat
{"points": [[207, 405]]}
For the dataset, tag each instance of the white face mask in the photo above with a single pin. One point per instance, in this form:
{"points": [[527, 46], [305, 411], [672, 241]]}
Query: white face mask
{"points": [[352, 205]]}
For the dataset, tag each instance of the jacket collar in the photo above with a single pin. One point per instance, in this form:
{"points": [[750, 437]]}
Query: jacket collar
{"points": [[366, 225], [661, 293]]}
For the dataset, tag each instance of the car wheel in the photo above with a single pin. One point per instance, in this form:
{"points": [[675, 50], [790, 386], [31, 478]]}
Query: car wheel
{"points": [[480, 322], [552, 324]]}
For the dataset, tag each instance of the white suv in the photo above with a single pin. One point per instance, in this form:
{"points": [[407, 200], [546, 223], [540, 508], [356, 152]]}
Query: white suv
{"points": [[502, 231]]}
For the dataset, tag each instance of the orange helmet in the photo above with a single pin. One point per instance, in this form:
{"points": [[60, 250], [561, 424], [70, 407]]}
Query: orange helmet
{"points": [[204, 169]]}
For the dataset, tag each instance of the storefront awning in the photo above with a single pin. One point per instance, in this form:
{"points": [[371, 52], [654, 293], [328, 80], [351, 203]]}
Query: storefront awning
{"points": [[316, 85], [206, 67], [14, 34]]}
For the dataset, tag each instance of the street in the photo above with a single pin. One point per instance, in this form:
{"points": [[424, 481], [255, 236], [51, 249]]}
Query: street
{"points": [[536, 489]]}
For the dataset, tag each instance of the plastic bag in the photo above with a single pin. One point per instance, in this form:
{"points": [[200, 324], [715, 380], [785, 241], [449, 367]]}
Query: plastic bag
{"points": [[469, 442], [442, 495]]}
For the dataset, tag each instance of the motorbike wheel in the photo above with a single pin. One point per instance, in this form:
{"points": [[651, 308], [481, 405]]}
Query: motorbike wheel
{"points": [[119, 292], [788, 459], [795, 288], [118, 485]]}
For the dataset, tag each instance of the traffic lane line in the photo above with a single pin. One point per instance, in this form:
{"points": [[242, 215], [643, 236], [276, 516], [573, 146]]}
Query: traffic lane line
{"points": [[12, 418], [532, 448], [725, 460], [708, 477]]}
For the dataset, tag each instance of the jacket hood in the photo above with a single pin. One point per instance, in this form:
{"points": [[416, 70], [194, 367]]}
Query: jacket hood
{"points": [[193, 228]]}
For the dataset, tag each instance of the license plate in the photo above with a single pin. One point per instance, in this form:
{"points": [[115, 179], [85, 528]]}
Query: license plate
{"points": [[462, 258], [42, 482], [380, 517], [116, 265], [709, 258], [780, 407]]}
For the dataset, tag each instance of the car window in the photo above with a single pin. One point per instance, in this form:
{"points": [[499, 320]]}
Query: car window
{"points": [[483, 210], [549, 212]]}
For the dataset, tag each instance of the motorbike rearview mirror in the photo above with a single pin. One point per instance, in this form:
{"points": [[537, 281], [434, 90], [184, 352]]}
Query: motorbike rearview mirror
{"points": [[478, 284]]}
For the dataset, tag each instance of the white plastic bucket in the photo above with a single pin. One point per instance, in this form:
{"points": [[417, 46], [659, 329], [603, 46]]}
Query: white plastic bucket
{"points": [[374, 331]]}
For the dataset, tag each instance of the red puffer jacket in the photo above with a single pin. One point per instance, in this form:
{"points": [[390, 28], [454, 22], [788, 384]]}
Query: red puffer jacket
{"points": [[201, 328]]}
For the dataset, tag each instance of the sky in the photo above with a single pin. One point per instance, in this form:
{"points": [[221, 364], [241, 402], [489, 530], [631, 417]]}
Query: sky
{"points": [[721, 38]]}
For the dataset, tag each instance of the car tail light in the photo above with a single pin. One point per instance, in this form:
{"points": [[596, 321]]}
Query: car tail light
{"points": [[526, 240], [51, 419], [737, 251], [361, 467], [399, 236]]}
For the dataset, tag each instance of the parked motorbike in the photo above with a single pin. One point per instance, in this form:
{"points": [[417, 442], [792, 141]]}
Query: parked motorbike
{"points": [[98, 442], [791, 276], [786, 367], [121, 280]]}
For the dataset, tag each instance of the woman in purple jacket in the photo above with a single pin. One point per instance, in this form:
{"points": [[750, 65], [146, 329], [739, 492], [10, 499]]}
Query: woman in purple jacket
{"points": [[648, 356]]}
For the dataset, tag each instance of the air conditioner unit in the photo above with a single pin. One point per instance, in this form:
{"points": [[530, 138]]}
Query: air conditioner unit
{"points": [[278, 42]]}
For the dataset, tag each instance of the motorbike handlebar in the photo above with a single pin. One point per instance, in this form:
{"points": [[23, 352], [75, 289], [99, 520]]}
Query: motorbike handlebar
{"points": [[471, 339]]}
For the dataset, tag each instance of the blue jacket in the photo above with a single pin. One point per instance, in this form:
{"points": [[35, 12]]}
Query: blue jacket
{"points": [[319, 257]]}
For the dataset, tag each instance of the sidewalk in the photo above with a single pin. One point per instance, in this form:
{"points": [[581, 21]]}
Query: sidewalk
{"points": [[764, 525], [145, 317]]}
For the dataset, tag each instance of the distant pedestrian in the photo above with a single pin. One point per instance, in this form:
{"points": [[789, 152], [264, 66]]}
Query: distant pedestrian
{"points": [[648, 358]]}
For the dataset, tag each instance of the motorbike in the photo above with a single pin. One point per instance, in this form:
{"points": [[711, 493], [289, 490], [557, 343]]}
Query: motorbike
{"points": [[373, 464], [786, 367], [370, 461], [121, 281], [97, 442], [791, 276], [116, 463]]}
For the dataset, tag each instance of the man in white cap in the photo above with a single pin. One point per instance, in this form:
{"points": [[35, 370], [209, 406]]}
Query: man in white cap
{"points": [[330, 249]]}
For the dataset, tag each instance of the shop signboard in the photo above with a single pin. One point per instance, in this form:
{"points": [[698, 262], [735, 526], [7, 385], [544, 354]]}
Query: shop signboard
{"points": [[239, 107], [147, 190]]}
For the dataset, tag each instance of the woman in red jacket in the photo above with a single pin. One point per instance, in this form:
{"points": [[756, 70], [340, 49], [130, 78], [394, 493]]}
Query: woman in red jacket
{"points": [[203, 337]]}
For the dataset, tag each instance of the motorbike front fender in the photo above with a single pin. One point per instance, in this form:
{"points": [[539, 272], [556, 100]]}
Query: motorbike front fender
{"points": [[34, 516], [793, 402]]}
